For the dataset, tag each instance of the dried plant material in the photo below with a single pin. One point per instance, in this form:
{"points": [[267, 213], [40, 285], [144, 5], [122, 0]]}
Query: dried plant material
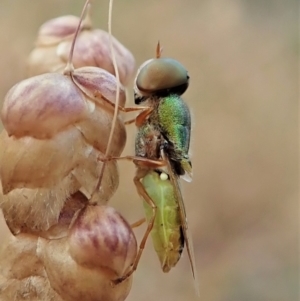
{"points": [[53, 101], [33, 289], [22, 272], [100, 237], [43, 116], [92, 49], [99, 247], [56, 131]]}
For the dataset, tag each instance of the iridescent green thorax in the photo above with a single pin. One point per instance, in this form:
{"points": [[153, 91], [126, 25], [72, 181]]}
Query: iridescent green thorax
{"points": [[172, 118]]}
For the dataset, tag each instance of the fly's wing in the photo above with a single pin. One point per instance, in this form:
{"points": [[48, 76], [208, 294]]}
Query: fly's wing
{"points": [[187, 167], [187, 237]]}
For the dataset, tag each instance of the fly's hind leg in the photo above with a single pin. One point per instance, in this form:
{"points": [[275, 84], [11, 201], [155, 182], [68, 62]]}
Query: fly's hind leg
{"points": [[142, 192], [138, 223], [143, 164]]}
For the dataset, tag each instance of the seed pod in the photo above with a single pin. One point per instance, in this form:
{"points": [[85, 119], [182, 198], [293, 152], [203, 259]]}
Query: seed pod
{"points": [[56, 127], [99, 248], [92, 49], [22, 272]]}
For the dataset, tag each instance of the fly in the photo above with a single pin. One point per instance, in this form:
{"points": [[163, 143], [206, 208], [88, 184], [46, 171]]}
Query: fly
{"points": [[161, 157]]}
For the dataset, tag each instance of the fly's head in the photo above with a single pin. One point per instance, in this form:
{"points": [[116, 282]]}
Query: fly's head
{"points": [[160, 77]]}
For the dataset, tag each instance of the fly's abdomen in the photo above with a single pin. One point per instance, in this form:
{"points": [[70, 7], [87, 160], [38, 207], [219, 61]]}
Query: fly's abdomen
{"points": [[167, 237], [166, 233]]}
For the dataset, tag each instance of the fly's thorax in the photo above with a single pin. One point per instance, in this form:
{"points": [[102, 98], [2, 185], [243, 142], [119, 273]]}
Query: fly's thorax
{"points": [[171, 117], [175, 120]]}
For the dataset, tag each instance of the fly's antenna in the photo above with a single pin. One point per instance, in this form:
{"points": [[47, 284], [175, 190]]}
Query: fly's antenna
{"points": [[159, 50], [70, 68], [116, 109]]}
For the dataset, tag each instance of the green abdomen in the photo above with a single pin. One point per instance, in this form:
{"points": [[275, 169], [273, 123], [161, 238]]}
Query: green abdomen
{"points": [[166, 234]]}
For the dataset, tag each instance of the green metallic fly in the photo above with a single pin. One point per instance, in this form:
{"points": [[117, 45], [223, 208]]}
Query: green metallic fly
{"points": [[161, 157]]}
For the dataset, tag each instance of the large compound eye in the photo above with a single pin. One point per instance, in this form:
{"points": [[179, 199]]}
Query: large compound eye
{"points": [[162, 76]]}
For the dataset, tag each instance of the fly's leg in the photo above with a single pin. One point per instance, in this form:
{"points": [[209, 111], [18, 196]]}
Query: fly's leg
{"points": [[139, 161], [138, 223], [120, 108], [143, 165], [142, 192], [140, 119], [130, 121]]}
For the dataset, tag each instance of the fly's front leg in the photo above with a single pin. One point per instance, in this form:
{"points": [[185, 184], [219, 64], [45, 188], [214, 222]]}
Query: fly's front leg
{"points": [[140, 119], [127, 109], [142, 192]]}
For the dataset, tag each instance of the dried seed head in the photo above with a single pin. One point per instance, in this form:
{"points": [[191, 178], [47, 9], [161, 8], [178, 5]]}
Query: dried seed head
{"points": [[55, 30], [92, 49], [44, 105], [100, 246], [56, 127], [100, 237], [22, 272]]}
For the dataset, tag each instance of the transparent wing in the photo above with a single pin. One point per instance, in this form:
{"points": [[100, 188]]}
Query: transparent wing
{"points": [[188, 239], [186, 165]]}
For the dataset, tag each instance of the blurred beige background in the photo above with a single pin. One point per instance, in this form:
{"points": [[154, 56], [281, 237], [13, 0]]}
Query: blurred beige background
{"points": [[242, 205]]}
